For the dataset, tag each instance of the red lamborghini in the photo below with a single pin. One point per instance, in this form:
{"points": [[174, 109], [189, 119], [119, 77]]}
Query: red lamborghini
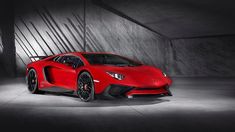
{"points": [[89, 74]]}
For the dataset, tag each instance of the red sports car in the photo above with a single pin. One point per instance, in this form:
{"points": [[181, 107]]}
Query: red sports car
{"points": [[87, 74]]}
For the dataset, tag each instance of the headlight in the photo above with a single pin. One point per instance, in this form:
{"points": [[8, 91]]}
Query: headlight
{"points": [[164, 74], [116, 75]]}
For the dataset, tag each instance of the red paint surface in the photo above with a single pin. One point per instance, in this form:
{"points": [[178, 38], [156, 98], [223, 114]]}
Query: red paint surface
{"points": [[65, 76]]}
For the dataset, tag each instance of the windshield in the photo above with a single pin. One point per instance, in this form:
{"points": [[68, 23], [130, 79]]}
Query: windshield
{"points": [[109, 59]]}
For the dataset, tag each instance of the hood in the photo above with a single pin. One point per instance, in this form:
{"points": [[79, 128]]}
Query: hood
{"points": [[143, 71]]}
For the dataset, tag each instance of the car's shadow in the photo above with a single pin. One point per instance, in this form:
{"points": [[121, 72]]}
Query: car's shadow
{"points": [[112, 102]]}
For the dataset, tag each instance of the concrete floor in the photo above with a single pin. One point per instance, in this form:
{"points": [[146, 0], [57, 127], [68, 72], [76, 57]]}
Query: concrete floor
{"points": [[198, 104]]}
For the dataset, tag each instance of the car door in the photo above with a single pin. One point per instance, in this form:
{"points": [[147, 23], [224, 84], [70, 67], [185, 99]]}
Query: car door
{"points": [[64, 73], [76, 63]]}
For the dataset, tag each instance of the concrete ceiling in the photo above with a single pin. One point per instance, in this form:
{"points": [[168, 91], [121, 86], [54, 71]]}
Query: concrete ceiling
{"points": [[180, 18]]}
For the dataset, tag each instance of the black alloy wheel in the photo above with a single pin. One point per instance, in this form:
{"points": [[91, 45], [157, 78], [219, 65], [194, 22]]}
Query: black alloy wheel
{"points": [[85, 87], [32, 81]]}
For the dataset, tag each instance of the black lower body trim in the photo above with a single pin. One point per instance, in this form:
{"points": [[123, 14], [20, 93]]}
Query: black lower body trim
{"points": [[57, 90], [115, 91]]}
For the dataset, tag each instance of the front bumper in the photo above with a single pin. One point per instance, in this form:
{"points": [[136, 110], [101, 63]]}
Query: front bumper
{"points": [[122, 91]]}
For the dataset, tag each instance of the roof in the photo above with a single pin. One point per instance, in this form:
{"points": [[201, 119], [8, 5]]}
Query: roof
{"points": [[87, 53]]}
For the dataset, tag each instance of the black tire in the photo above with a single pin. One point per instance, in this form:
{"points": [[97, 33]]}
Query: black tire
{"points": [[169, 93], [32, 81], [85, 87]]}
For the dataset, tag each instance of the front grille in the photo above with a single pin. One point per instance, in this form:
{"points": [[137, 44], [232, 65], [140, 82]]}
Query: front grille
{"points": [[146, 88], [118, 90], [151, 88]]}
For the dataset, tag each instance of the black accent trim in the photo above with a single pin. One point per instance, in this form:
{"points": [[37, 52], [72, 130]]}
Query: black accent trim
{"points": [[57, 90], [46, 74], [117, 90], [147, 88], [113, 91]]}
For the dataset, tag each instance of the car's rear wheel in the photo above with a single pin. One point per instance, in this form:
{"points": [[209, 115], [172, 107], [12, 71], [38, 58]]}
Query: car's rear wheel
{"points": [[32, 81], [85, 87]]}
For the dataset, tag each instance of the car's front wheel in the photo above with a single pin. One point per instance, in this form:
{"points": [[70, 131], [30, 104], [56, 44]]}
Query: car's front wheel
{"points": [[85, 87]]}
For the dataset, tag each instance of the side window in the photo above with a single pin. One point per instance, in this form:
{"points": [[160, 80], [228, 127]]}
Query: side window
{"points": [[61, 59], [56, 58], [77, 62], [68, 60], [72, 61]]}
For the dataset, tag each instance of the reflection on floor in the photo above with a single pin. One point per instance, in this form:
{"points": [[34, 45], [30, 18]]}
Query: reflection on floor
{"points": [[198, 104]]}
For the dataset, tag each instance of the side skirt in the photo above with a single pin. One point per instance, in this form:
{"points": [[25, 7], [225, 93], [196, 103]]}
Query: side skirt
{"points": [[57, 90]]}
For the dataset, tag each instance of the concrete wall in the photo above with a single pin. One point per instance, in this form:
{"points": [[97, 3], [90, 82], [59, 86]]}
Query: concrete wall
{"points": [[44, 28], [189, 57], [106, 31], [204, 57], [109, 32]]}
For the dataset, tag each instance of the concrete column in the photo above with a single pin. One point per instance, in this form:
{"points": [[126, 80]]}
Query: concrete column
{"points": [[8, 41]]}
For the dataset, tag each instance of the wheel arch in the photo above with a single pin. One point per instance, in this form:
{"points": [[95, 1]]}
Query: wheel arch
{"points": [[38, 72], [27, 71], [84, 70]]}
